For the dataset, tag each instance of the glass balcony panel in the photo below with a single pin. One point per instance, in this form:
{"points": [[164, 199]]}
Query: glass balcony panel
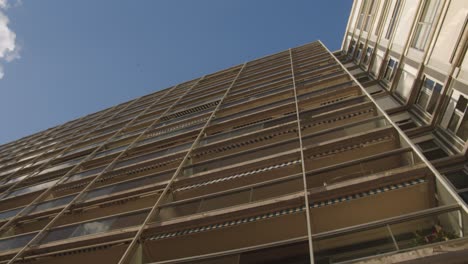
{"points": [[247, 129], [167, 213], [10, 213], [343, 130], [16, 179], [197, 101], [224, 159], [146, 119], [94, 227], [255, 96], [153, 155], [372, 165], [230, 134], [224, 201], [85, 174], [52, 204], [267, 81], [128, 185], [169, 134], [129, 220], [31, 189], [99, 192], [352, 246], [253, 110], [232, 198], [73, 151], [110, 151], [427, 230], [185, 117], [16, 242], [128, 134], [278, 189], [231, 259], [59, 234]]}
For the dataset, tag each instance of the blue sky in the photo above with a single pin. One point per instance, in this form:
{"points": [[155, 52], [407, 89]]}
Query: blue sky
{"points": [[72, 58]]}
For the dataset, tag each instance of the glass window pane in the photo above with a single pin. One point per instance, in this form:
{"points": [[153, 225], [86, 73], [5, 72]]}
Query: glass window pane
{"points": [[422, 34], [464, 196], [429, 11], [395, 12], [463, 129], [428, 83], [452, 126], [461, 104], [422, 99], [433, 102]]}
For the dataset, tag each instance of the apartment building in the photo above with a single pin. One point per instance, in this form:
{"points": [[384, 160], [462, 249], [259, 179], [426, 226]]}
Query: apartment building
{"points": [[289, 158]]}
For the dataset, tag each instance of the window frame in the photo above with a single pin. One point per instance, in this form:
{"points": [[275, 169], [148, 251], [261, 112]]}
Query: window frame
{"points": [[352, 47], [359, 51], [368, 55], [381, 22], [433, 93], [391, 69], [370, 13], [424, 26], [392, 25], [462, 116], [362, 14]]}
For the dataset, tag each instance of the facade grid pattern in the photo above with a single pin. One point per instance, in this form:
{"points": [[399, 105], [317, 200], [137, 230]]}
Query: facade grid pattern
{"points": [[286, 154]]}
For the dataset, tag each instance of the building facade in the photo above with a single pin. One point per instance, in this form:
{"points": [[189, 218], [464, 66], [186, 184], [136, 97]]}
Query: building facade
{"points": [[289, 158], [411, 57]]}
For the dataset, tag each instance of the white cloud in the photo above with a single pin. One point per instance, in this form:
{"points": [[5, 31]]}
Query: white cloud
{"points": [[4, 4], [9, 49]]}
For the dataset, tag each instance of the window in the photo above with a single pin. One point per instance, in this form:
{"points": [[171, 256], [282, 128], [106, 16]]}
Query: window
{"points": [[424, 25], [362, 15], [382, 19], [368, 55], [352, 47], [372, 7], [458, 123], [391, 25], [392, 65], [359, 52], [428, 95]]}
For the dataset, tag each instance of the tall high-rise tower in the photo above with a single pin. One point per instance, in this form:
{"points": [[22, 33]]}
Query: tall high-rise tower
{"points": [[283, 159]]}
